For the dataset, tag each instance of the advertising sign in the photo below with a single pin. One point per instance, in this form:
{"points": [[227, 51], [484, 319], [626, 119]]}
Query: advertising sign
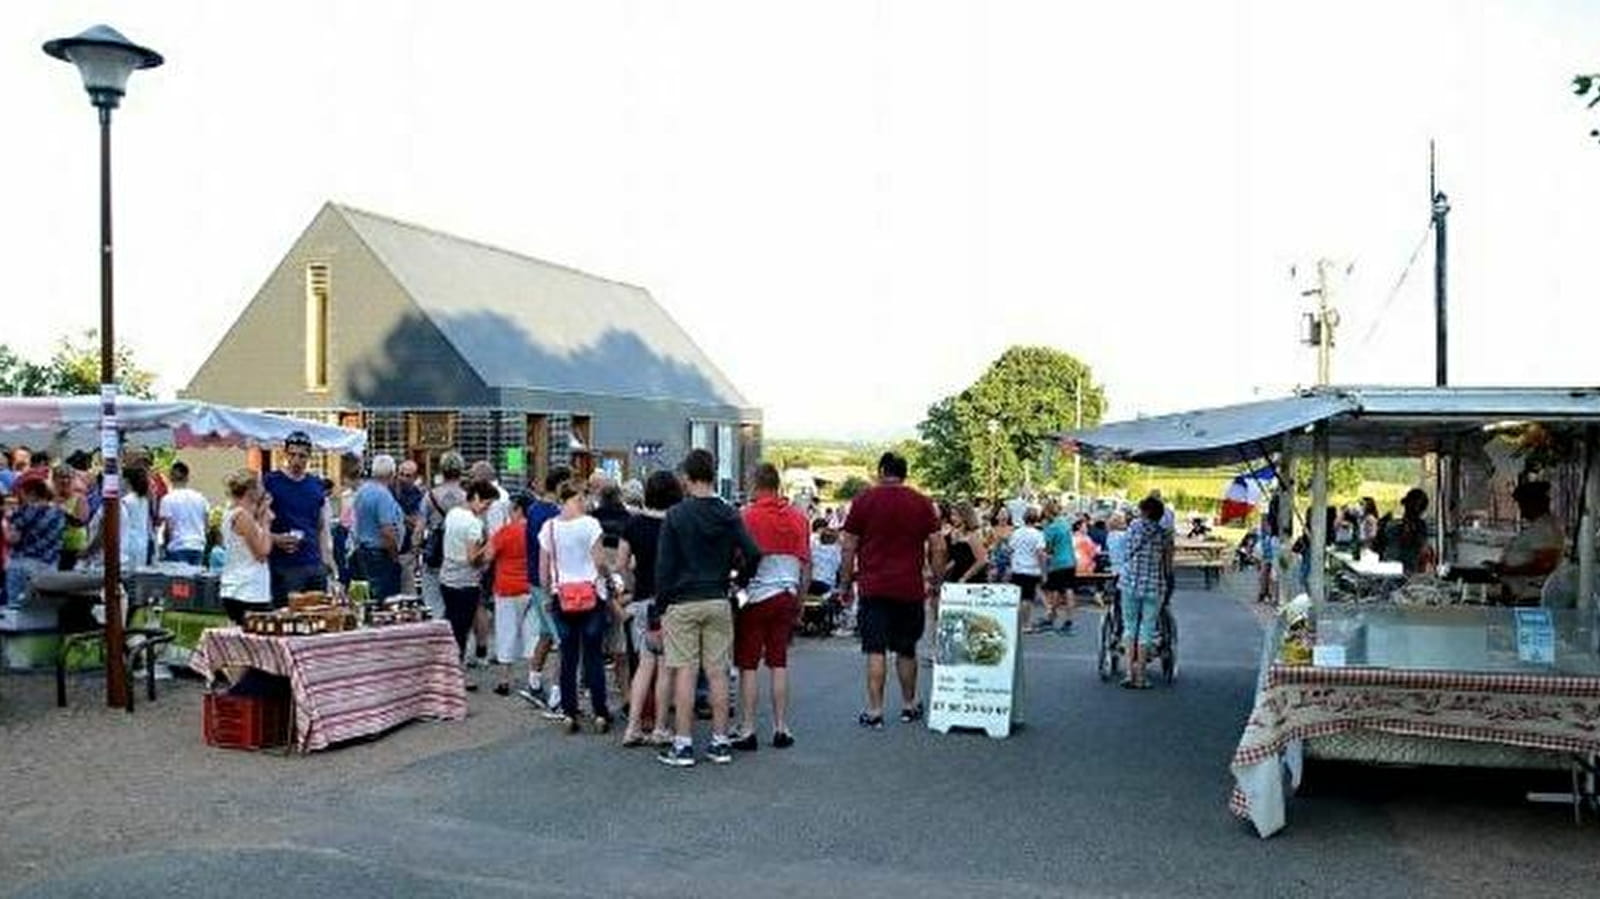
{"points": [[1536, 637], [977, 660]]}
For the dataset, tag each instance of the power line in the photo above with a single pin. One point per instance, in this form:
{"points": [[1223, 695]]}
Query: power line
{"points": [[1399, 283]]}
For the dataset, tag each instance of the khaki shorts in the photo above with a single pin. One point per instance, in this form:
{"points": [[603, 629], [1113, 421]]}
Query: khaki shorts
{"points": [[698, 633]]}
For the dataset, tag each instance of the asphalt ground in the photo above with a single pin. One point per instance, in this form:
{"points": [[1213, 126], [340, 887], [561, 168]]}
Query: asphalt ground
{"points": [[1105, 792]]}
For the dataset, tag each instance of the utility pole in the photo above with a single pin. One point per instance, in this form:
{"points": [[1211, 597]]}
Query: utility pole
{"points": [[1320, 324], [1077, 425], [1441, 330]]}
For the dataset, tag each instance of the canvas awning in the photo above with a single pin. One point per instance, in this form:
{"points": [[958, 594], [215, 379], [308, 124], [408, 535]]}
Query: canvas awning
{"points": [[1361, 421], [73, 423]]}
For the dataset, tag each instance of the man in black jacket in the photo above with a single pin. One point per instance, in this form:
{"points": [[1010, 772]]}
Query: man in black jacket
{"points": [[702, 540]]}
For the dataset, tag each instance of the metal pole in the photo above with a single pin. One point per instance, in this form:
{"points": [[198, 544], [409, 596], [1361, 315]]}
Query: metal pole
{"points": [[1317, 541], [1286, 501], [1077, 460], [1441, 327], [1324, 326], [111, 491]]}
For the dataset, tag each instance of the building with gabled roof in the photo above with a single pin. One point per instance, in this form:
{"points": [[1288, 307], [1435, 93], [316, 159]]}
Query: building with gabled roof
{"points": [[434, 342]]}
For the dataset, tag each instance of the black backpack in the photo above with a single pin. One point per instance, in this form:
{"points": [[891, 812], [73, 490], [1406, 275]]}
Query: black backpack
{"points": [[433, 543]]}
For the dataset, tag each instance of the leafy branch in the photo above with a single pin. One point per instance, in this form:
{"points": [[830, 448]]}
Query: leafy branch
{"points": [[1583, 85]]}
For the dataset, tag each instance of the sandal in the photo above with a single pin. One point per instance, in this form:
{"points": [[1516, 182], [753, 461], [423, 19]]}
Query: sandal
{"points": [[632, 739]]}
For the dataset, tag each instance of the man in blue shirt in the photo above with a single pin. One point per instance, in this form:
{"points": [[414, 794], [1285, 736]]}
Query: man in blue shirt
{"points": [[302, 542], [378, 521], [537, 513]]}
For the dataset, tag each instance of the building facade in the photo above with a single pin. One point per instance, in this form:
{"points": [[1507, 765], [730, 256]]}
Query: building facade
{"points": [[433, 342]]}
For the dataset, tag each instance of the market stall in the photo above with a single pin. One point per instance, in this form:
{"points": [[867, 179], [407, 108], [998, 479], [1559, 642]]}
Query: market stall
{"points": [[348, 684], [66, 424], [1426, 662]]}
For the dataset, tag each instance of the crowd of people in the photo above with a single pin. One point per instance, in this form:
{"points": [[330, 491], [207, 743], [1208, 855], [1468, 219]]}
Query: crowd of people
{"points": [[654, 596], [53, 511]]}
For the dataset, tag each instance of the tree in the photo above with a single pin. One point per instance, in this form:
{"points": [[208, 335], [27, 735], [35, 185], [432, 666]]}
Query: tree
{"points": [[21, 377], [998, 432], [1583, 85], [1344, 477], [850, 488], [73, 370]]}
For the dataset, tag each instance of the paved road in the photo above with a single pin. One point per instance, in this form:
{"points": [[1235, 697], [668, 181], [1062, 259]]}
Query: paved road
{"points": [[1106, 792]]}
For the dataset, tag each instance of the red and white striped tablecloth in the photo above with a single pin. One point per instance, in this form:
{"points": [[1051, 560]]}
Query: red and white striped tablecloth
{"points": [[350, 684], [1552, 712]]}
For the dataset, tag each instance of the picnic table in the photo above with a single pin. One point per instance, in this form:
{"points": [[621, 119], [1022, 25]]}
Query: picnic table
{"points": [[352, 683], [1208, 556]]}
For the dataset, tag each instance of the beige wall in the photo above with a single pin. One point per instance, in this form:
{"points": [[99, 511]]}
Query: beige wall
{"points": [[379, 345]]}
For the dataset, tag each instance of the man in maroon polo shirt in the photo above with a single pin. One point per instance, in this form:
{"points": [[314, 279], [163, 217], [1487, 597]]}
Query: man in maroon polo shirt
{"points": [[893, 551]]}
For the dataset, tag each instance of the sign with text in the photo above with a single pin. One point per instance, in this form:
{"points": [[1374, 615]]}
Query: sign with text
{"points": [[977, 659], [1536, 636]]}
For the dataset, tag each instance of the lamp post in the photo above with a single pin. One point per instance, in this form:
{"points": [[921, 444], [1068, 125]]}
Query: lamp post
{"points": [[105, 59]]}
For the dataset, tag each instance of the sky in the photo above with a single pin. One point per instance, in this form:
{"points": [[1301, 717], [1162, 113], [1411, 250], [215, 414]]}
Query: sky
{"points": [[854, 207]]}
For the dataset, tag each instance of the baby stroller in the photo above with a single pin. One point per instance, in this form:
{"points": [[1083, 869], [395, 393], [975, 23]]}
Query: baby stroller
{"points": [[1112, 651], [819, 611]]}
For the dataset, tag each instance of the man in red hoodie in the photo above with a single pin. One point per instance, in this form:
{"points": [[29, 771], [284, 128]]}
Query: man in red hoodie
{"points": [[771, 606]]}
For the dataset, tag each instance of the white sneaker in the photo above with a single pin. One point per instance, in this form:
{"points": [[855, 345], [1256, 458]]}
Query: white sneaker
{"points": [[553, 700]]}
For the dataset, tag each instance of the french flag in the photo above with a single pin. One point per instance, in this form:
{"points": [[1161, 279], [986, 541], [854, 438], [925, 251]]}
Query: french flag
{"points": [[1244, 493]]}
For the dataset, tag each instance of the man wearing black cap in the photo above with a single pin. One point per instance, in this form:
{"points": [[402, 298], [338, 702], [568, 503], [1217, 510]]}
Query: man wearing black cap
{"points": [[1535, 551], [302, 541]]}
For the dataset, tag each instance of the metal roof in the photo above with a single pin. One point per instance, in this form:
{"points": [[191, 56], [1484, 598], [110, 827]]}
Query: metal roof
{"points": [[1362, 421], [521, 322]]}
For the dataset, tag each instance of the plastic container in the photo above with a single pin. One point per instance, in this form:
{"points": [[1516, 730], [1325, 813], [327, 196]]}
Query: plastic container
{"points": [[232, 721]]}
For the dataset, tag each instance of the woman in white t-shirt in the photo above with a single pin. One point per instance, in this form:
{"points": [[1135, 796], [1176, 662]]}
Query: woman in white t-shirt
{"points": [[460, 572], [136, 521], [1027, 562], [246, 540], [570, 553]]}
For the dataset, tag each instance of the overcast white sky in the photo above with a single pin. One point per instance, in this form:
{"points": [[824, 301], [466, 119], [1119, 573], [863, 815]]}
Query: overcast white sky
{"points": [[853, 206]]}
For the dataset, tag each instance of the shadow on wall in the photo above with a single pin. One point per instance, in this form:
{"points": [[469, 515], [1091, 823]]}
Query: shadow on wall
{"points": [[419, 367]]}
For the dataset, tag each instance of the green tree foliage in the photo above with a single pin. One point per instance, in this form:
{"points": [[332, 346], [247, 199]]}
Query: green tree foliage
{"points": [[22, 377], [1583, 86], [1344, 476], [986, 436], [73, 370], [850, 488]]}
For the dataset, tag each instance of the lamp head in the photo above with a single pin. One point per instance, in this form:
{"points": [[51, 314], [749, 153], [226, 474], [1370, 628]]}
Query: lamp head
{"points": [[105, 59]]}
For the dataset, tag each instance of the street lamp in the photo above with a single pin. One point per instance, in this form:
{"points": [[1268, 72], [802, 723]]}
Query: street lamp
{"points": [[105, 59]]}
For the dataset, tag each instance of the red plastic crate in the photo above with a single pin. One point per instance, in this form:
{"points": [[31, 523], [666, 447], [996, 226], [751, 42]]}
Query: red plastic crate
{"points": [[245, 722]]}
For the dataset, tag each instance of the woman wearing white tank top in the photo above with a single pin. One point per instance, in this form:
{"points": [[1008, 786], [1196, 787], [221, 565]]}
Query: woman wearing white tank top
{"points": [[246, 540]]}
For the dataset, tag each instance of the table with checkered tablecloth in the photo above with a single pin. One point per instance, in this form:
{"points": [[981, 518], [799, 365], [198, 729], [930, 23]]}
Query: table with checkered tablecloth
{"points": [[1294, 703], [350, 684]]}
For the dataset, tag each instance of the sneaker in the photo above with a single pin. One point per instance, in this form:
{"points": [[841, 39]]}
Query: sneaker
{"points": [[570, 724], [746, 743], [553, 713], [531, 695], [676, 756], [472, 686], [553, 700], [911, 714], [782, 739], [602, 724], [1065, 630], [502, 689], [871, 722], [720, 752]]}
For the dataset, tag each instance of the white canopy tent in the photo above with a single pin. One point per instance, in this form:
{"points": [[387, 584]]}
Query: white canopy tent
{"points": [[64, 424]]}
